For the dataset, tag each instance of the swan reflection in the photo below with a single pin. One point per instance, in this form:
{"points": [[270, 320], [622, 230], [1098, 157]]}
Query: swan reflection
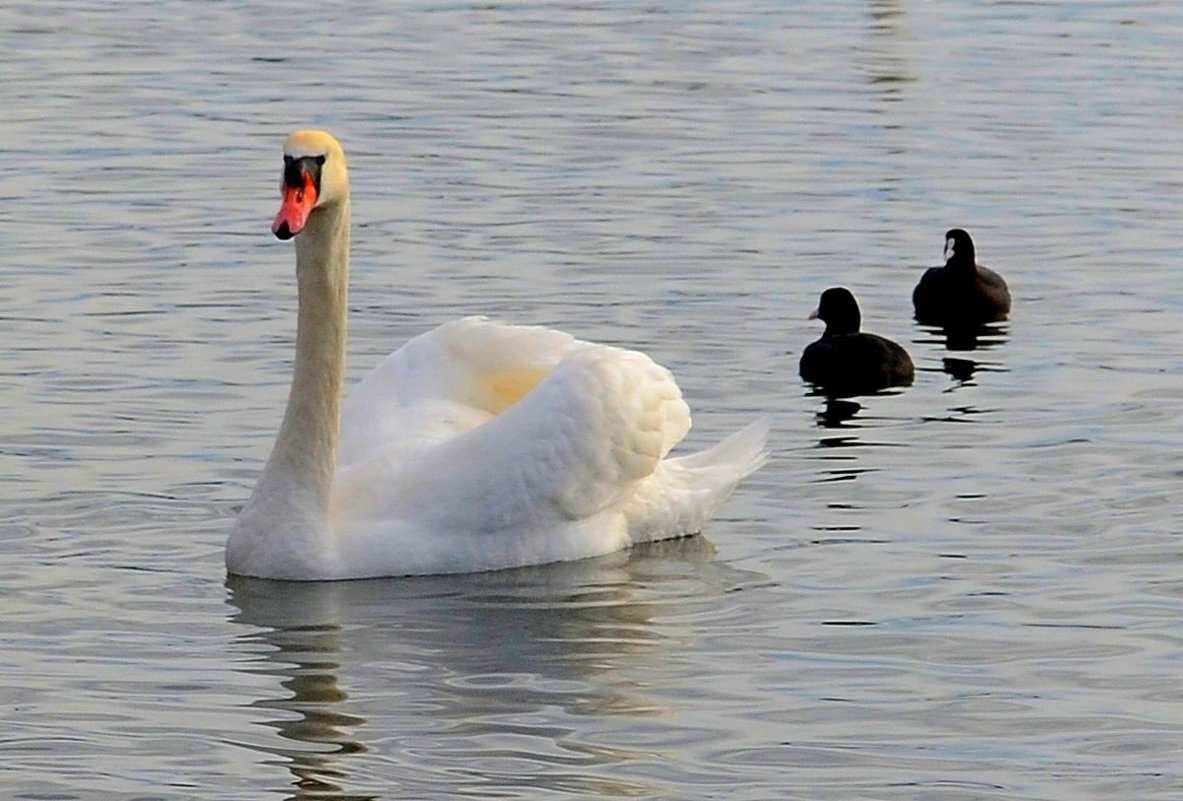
{"points": [[456, 673], [297, 641]]}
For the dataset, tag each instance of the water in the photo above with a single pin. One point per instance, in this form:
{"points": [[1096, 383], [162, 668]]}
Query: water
{"points": [[969, 589]]}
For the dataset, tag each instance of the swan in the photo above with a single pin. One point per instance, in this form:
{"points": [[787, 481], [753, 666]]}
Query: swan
{"points": [[476, 446]]}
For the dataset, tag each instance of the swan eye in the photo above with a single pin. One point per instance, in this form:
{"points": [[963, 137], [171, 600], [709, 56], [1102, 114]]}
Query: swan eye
{"points": [[296, 168]]}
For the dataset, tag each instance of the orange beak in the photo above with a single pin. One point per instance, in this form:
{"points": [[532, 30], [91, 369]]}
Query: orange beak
{"points": [[293, 212]]}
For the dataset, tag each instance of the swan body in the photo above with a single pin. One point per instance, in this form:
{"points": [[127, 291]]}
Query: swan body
{"points": [[476, 446]]}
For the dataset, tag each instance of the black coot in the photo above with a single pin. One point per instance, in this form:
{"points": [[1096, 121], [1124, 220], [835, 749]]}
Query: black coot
{"points": [[846, 362], [962, 293]]}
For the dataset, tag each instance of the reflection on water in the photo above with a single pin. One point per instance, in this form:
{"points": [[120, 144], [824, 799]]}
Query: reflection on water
{"points": [[967, 590], [885, 58], [473, 661], [302, 652], [961, 369], [837, 412], [964, 340], [975, 337]]}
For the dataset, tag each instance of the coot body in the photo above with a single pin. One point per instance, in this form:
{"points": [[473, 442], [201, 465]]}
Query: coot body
{"points": [[962, 293], [846, 361]]}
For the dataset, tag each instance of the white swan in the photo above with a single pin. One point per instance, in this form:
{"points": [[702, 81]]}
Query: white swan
{"points": [[476, 446]]}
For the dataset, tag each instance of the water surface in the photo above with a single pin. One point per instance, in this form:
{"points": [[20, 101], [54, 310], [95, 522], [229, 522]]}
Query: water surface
{"points": [[968, 589]]}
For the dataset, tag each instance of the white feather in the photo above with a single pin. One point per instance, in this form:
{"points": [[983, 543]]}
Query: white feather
{"points": [[476, 446]]}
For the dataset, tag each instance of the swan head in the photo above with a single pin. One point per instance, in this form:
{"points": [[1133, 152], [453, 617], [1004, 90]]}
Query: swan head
{"points": [[314, 176]]}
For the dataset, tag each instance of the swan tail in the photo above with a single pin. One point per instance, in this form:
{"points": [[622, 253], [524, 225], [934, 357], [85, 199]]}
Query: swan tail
{"points": [[685, 491], [742, 453]]}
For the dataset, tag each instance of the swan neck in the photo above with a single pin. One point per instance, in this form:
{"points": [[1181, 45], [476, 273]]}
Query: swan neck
{"points": [[284, 531], [305, 450]]}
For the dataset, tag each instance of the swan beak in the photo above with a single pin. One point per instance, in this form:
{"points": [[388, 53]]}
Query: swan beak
{"points": [[297, 205]]}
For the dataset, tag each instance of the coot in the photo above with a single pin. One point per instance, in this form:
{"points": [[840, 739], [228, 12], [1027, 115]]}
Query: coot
{"points": [[847, 362], [962, 293]]}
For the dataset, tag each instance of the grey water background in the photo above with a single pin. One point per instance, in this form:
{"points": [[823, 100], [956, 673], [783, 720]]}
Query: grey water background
{"points": [[968, 589]]}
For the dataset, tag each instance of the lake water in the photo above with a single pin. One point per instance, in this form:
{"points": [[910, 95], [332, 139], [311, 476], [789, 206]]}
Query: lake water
{"points": [[968, 589]]}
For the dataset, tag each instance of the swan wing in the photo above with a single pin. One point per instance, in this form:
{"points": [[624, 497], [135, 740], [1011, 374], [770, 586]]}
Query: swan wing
{"points": [[482, 446], [442, 383], [540, 430], [575, 445]]}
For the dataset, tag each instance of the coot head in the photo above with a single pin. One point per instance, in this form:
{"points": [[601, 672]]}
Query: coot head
{"points": [[839, 311], [959, 248]]}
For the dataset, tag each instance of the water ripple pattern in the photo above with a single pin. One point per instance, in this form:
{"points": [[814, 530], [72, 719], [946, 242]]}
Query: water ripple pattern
{"points": [[967, 589]]}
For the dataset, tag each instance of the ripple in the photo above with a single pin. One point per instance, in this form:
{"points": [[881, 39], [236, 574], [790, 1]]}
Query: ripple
{"points": [[964, 589]]}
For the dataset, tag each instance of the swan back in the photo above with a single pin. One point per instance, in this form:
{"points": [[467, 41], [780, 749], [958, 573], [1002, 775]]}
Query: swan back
{"points": [[466, 372], [441, 475]]}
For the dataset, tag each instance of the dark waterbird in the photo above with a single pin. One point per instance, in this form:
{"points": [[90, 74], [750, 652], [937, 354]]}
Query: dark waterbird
{"points": [[962, 293], [847, 362]]}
